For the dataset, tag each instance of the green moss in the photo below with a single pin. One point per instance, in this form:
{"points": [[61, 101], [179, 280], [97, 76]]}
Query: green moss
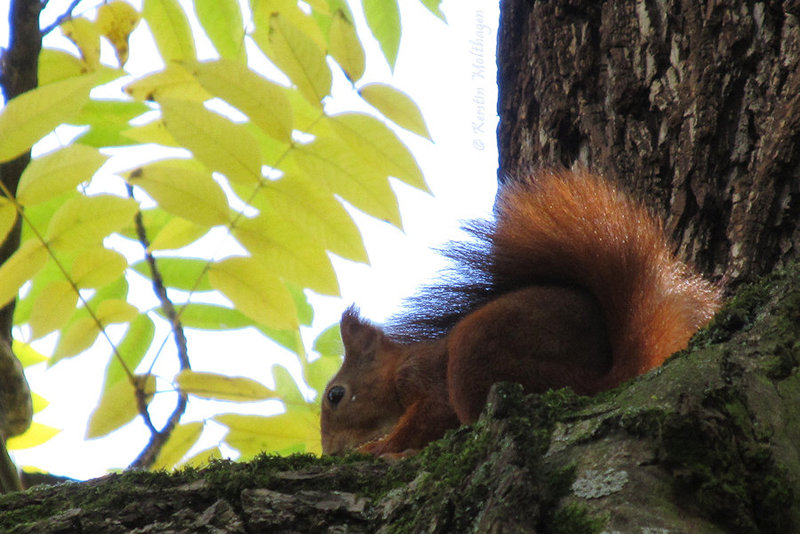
{"points": [[498, 460]]}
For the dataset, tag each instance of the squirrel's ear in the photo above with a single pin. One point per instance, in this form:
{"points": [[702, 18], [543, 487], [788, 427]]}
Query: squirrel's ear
{"points": [[358, 335]]}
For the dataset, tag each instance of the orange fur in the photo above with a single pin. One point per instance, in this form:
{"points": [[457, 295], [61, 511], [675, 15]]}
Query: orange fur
{"points": [[574, 285]]}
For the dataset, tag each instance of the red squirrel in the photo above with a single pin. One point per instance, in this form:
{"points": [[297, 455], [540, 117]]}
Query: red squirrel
{"points": [[573, 284]]}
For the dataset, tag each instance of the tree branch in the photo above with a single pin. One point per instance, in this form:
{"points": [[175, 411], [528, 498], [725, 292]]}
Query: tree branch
{"points": [[159, 438], [18, 74]]}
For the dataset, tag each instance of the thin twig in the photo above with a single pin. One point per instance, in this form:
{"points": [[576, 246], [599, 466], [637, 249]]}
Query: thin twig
{"points": [[159, 437], [61, 18]]}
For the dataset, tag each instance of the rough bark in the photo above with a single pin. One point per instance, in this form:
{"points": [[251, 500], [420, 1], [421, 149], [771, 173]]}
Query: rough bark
{"points": [[705, 444], [694, 104]]}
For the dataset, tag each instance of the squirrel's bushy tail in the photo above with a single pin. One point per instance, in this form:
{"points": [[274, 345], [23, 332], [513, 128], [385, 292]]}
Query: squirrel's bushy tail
{"points": [[573, 228], [576, 228]]}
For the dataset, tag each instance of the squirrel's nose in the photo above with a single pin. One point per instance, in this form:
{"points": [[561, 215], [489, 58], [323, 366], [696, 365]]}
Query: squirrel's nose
{"points": [[335, 394]]}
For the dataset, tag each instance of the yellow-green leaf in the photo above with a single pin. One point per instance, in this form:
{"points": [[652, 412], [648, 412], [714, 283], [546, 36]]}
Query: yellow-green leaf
{"points": [[113, 311], [131, 350], [319, 372], [203, 457], [97, 267], [220, 387], [434, 7], [383, 19], [26, 354], [284, 250], [221, 145], [300, 200], [28, 260], [38, 402], [396, 106], [76, 338], [379, 146], [36, 435], [55, 65], [183, 188], [53, 308], [264, 102], [177, 233], [252, 434], [118, 406], [84, 221], [309, 25], [222, 21], [8, 216], [86, 36], [116, 20], [173, 81], [151, 132], [182, 438], [171, 30], [299, 57], [346, 173], [345, 47], [30, 116], [58, 172], [255, 291]]}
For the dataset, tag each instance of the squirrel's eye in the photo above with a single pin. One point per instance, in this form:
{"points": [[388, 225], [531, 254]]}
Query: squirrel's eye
{"points": [[336, 394]]}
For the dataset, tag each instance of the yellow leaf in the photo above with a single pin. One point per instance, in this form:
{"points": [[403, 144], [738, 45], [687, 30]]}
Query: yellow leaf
{"points": [[383, 19], [116, 20], [118, 406], [152, 132], [38, 402], [36, 434], [183, 188], [222, 21], [220, 387], [203, 457], [288, 252], [182, 438], [30, 116], [112, 311], [298, 199], [177, 233], [396, 106], [170, 29], [344, 172], [28, 260], [345, 47], [173, 81], [252, 434], [299, 57], [83, 222], [288, 9], [77, 337], [53, 308], [379, 146], [26, 354], [86, 37], [254, 291], [55, 65], [262, 101], [8, 216], [58, 172], [220, 144], [97, 267]]}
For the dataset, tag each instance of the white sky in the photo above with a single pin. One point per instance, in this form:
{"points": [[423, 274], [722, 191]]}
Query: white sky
{"points": [[449, 70]]}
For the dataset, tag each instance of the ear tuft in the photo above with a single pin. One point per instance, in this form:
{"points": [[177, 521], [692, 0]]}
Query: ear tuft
{"points": [[359, 335]]}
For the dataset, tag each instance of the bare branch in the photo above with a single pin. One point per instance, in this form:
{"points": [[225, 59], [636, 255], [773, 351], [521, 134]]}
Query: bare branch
{"points": [[159, 438], [61, 18]]}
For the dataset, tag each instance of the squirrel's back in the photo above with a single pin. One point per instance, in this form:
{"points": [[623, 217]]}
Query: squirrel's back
{"points": [[573, 228]]}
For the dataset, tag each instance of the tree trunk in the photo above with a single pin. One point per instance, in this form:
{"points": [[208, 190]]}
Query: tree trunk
{"points": [[695, 105]]}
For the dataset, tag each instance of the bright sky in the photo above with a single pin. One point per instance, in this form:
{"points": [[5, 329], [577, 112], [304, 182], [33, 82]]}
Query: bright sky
{"points": [[449, 70]]}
